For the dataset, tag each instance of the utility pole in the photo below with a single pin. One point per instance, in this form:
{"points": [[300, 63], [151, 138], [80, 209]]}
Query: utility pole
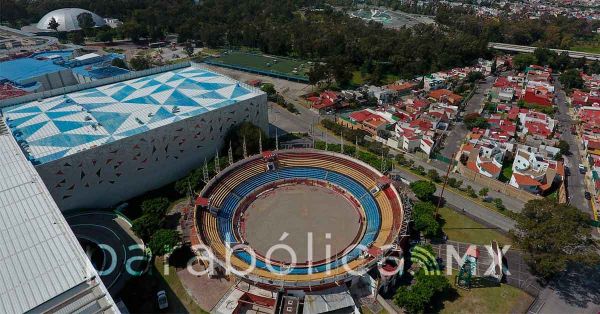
{"points": [[260, 142], [439, 204], [342, 141], [230, 154], [244, 148]]}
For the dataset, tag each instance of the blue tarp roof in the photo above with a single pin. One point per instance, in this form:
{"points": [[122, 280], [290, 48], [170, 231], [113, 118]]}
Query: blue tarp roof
{"points": [[22, 69]]}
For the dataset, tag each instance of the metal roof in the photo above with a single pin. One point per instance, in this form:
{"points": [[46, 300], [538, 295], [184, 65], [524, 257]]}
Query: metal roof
{"points": [[63, 125], [40, 259], [18, 70], [67, 19]]}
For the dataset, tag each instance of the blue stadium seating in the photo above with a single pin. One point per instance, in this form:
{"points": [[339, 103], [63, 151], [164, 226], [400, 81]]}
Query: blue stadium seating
{"points": [[231, 201]]}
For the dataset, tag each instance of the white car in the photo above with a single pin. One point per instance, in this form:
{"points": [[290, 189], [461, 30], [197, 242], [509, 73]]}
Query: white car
{"points": [[163, 303]]}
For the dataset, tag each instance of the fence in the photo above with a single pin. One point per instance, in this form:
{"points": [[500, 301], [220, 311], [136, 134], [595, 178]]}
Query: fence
{"points": [[496, 185]]}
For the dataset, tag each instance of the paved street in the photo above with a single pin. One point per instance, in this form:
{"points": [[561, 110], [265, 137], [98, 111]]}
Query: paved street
{"points": [[576, 181], [460, 202], [458, 131], [510, 203]]}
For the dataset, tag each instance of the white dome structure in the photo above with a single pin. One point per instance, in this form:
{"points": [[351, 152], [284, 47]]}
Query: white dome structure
{"points": [[67, 19]]}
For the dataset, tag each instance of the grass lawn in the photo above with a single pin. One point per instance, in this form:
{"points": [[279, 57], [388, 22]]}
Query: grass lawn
{"points": [[592, 46], [461, 228], [358, 79], [139, 293], [264, 63], [502, 299], [176, 289], [506, 172]]}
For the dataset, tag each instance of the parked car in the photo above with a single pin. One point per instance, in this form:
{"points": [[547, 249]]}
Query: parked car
{"points": [[588, 195], [581, 169], [161, 297]]}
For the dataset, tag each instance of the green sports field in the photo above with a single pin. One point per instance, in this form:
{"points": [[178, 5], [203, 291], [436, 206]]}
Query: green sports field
{"points": [[260, 62]]}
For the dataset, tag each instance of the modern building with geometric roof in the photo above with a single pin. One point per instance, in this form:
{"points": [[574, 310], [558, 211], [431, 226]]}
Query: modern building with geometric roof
{"points": [[102, 145]]}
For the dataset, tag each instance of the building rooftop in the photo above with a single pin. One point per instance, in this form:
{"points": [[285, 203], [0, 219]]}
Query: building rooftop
{"points": [[21, 69], [64, 125], [42, 265]]}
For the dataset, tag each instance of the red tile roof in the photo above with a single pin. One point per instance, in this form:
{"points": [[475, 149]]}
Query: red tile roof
{"points": [[537, 97], [490, 168], [360, 116], [525, 180]]}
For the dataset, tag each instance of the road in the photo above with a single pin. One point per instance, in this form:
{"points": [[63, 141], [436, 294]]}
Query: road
{"points": [[118, 243], [458, 132], [470, 207], [518, 48], [576, 181]]}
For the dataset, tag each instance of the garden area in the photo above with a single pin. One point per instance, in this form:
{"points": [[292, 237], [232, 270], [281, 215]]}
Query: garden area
{"points": [[501, 299], [461, 228]]}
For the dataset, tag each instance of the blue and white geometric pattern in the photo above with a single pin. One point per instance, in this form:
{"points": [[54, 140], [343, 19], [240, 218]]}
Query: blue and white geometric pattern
{"points": [[60, 126]]}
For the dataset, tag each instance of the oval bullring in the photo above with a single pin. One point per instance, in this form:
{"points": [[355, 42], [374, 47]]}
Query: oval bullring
{"points": [[337, 215]]}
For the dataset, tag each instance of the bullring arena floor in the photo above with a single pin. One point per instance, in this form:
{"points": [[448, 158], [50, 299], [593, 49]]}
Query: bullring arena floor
{"points": [[287, 214], [275, 199]]}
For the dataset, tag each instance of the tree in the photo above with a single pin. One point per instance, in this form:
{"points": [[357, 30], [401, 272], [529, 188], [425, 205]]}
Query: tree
{"points": [[119, 63], [156, 206], [85, 20], [317, 73], [571, 79], [189, 50], [499, 204], [145, 226], [523, 60], [474, 120], [433, 175], [593, 68], [425, 221], [53, 24], [484, 192], [494, 66], [139, 63], [564, 147], [133, 30], [105, 36], [419, 297], [471, 191], [76, 37], [163, 241], [424, 190], [474, 76], [250, 133], [553, 235], [269, 89]]}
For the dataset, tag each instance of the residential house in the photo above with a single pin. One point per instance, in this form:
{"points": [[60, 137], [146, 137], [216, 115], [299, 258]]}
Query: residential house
{"points": [[326, 101], [539, 95], [533, 172], [445, 96]]}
